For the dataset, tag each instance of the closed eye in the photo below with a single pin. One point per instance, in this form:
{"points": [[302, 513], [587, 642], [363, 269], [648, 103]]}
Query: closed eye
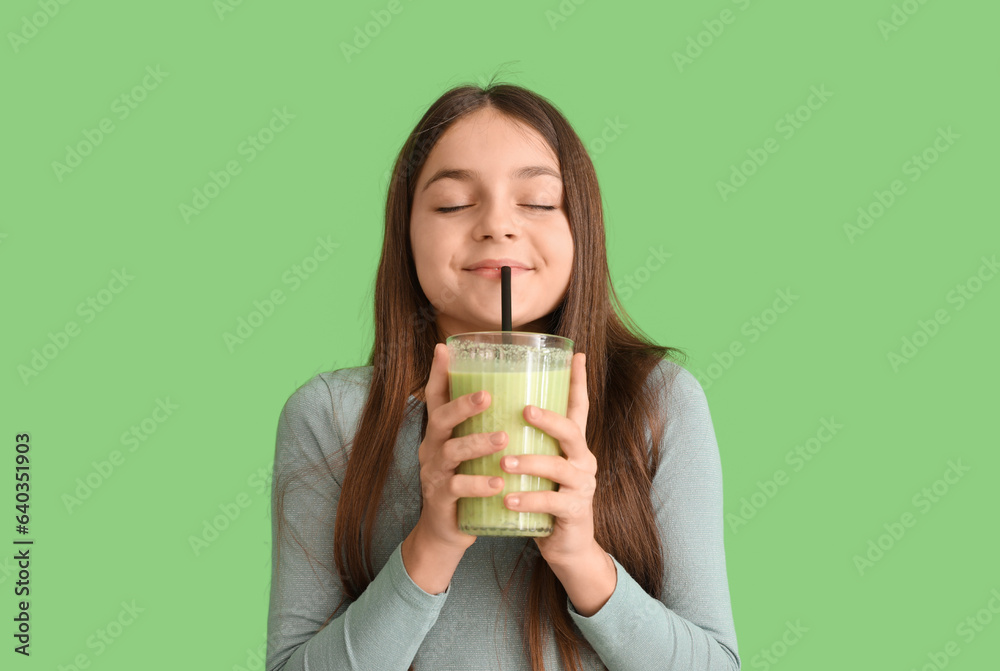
{"points": [[459, 207]]}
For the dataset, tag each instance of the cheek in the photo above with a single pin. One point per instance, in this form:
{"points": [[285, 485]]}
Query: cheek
{"points": [[430, 254], [571, 251], [418, 245], [561, 250], [420, 237]]}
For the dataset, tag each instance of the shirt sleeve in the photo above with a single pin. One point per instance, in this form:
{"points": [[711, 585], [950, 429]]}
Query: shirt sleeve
{"points": [[691, 627], [385, 626]]}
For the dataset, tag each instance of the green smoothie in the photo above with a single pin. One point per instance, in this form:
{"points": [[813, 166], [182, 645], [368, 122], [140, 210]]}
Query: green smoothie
{"points": [[509, 393]]}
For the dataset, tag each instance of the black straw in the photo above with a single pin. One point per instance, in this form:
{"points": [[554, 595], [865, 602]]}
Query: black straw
{"points": [[505, 301]]}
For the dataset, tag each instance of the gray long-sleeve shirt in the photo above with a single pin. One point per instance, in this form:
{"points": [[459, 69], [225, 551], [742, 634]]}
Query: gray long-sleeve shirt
{"points": [[466, 627]]}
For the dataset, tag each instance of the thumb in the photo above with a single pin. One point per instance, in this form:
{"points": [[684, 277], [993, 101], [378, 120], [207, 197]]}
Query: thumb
{"points": [[436, 392]]}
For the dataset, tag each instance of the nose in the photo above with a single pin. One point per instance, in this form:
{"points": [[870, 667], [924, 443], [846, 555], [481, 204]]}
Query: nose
{"points": [[496, 221]]}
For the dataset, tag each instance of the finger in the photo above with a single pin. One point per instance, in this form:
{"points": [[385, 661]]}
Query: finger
{"points": [[556, 469], [442, 421], [473, 485], [561, 505], [579, 400], [464, 448], [563, 429], [436, 392]]}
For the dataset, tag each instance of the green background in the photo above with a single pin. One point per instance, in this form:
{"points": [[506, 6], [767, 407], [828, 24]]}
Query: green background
{"points": [[679, 128]]}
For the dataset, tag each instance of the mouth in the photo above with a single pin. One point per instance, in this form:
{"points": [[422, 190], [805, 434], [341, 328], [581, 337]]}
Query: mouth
{"points": [[494, 273]]}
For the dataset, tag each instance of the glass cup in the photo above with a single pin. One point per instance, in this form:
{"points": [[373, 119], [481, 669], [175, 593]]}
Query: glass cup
{"points": [[517, 369]]}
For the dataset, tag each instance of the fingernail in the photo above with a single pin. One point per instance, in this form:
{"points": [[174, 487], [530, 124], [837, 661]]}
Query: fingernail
{"points": [[510, 462], [496, 482], [532, 412], [477, 398], [496, 438], [513, 502]]}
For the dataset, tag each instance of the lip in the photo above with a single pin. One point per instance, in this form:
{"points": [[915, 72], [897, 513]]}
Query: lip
{"points": [[496, 263], [494, 273]]}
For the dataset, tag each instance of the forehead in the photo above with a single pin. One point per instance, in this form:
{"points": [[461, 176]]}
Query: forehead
{"points": [[487, 139]]}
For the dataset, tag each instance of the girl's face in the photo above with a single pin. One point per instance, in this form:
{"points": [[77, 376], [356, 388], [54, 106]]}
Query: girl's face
{"points": [[501, 189]]}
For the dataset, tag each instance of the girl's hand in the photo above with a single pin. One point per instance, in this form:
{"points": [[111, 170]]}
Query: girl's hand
{"points": [[440, 455], [573, 531]]}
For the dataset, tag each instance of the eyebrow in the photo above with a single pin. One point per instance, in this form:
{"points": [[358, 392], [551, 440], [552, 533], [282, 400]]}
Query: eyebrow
{"points": [[463, 175]]}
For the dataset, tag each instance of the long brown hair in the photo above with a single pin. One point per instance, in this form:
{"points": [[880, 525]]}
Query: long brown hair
{"points": [[622, 406]]}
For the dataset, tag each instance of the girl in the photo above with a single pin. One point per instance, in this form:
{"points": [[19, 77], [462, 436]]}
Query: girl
{"points": [[369, 568]]}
